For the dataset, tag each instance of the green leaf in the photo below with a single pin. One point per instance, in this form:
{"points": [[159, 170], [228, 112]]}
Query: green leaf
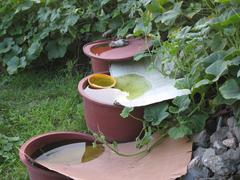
{"points": [[179, 132], [12, 65], [22, 62], [217, 69], [218, 43], [34, 50], [228, 18], [230, 89], [103, 2], [198, 121], [183, 83], [44, 14], [192, 10], [234, 62], [216, 56], [140, 56], [156, 6], [55, 50], [169, 17], [181, 104], [126, 111], [24, 6], [140, 29], [238, 74], [69, 21], [6, 45], [156, 113], [219, 100], [123, 31], [203, 82]]}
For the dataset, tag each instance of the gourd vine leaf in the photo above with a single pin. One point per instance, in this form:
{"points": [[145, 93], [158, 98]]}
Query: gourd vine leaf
{"points": [[238, 73], [140, 56], [181, 104], [156, 113], [230, 89], [179, 132], [126, 111], [169, 17], [198, 121], [6, 45], [217, 69]]}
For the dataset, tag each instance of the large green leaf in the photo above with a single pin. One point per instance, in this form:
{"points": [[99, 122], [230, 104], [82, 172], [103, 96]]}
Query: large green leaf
{"points": [[140, 29], [219, 100], [156, 113], [69, 21], [192, 10], [229, 17], [12, 65], [44, 14], [24, 6], [6, 45], [169, 17], [218, 43], [198, 121], [181, 104], [156, 6], [201, 83], [217, 69], [230, 89], [55, 50], [184, 83], [179, 132], [103, 2], [215, 56], [34, 50]]}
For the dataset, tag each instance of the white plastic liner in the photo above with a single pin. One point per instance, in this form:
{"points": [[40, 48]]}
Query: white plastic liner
{"points": [[162, 88]]}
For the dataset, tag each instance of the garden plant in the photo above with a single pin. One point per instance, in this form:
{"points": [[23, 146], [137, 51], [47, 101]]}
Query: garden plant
{"points": [[196, 42]]}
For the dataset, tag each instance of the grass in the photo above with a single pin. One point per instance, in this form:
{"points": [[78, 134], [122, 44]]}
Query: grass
{"points": [[32, 103]]}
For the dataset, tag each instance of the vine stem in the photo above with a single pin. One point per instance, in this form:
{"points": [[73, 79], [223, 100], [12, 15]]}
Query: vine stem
{"points": [[147, 150], [136, 118]]}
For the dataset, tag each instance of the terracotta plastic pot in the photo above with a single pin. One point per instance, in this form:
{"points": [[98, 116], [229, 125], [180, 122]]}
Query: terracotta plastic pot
{"points": [[106, 118], [38, 142], [102, 55]]}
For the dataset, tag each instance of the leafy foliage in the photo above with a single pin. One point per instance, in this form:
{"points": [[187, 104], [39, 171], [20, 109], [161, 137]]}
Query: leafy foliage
{"points": [[204, 56], [37, 30], [202, 51]]}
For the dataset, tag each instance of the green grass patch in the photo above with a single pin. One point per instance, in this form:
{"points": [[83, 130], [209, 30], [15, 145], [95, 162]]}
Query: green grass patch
{"points": [[32, 103]]}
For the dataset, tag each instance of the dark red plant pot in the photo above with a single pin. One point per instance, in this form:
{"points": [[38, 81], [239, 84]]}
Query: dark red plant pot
{"points": [[99, 65], [106, 118], [101, 59], [38, 142]]}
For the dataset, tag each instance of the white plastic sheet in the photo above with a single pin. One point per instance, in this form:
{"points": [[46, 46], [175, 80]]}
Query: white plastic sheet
{"points": [[162, 88]]}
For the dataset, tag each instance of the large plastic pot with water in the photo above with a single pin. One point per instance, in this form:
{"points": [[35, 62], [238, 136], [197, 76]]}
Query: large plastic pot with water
{"points": [[105, 119], [102, 55], [33, 145]]}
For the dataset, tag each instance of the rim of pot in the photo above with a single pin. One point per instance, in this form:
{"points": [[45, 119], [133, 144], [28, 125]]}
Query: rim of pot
{"points": [[87, 50], [24, 146], [82, 85]]}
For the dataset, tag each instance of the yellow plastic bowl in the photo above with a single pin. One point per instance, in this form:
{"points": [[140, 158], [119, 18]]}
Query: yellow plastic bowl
{"points": [[101, 81]]}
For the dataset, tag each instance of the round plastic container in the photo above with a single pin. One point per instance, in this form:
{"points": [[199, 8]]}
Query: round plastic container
{"points": [[36, 143], [102, 55], [106, 119]]}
